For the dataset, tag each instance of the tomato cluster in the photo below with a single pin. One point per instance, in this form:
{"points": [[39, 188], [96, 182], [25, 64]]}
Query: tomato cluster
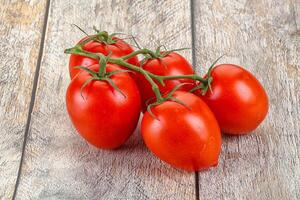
{"points": [[184, 114]]}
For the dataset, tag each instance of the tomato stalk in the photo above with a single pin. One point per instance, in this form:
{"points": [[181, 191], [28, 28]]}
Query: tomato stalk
{"points": [[152, 54], [205, 82], [79, 51], [147, 75], [140, 51], [120, 61], [192, 76]]}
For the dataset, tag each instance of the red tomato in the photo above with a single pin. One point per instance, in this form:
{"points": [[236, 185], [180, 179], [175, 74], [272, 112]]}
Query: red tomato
{"points": [[172, 64], [119, 49], [188, 139], [238, 100], [104, 117]]}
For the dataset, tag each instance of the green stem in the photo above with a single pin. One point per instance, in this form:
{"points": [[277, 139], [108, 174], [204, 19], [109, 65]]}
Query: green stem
{"points": [[161, 78], [141, 51], [78, 51], [191, 76], [148, 76], [81, 44], [102, 64], [82, 52], [102, 70], [133, 67], [121, 62]]}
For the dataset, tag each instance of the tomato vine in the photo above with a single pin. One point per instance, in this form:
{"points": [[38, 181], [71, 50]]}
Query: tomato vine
{"points": [[103, 36]]}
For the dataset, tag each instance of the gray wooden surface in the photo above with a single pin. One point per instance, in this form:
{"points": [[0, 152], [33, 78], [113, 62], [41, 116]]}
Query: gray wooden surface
{"points": [[20, 33], [264, 37], [261, 35]]}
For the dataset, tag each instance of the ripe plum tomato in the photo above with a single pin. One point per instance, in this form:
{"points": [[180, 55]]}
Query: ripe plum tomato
{"points": [[238, 100], [172, 64], [118, 49], [102, 115], [188, 138]]}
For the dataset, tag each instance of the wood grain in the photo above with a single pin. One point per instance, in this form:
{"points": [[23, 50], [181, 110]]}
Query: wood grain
{"points": [[264, 37], [61, 165], [20, 33]]}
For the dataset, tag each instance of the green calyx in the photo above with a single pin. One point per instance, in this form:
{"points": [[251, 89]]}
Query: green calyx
{"points": [[101, 75], [205, 85], [100, 36], [168, 97], [104, 37], [159, 53]]}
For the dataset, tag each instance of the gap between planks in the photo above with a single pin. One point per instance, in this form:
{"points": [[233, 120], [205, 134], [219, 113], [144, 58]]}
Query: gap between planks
{"points": [[33, 93], [192, 17]]}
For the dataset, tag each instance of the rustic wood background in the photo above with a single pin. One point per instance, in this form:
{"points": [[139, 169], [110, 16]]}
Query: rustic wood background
{"points": [[41, 155]]}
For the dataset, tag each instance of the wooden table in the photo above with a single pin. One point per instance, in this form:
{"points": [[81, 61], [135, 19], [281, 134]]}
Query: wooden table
{"points": [[42, 156]]}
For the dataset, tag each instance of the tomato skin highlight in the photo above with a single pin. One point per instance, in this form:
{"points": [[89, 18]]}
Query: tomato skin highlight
{"points": [[119, 49], [172, 64], [105, 118], [238, 100], [184, 138]]}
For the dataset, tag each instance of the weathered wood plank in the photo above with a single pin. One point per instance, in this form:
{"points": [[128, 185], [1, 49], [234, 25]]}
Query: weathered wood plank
{"points": [[263, 36], [58, 163], [20, 33]]}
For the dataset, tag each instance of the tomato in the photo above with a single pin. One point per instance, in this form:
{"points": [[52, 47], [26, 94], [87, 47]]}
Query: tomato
{"points": [[188, 138], [104, 117], [119, 49], [172, 64], [238, 100]]}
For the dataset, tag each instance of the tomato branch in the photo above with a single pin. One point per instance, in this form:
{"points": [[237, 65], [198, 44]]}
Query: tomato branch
{"points": [[78, 50], [141, 51], [149, 76], [120, 61]]}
